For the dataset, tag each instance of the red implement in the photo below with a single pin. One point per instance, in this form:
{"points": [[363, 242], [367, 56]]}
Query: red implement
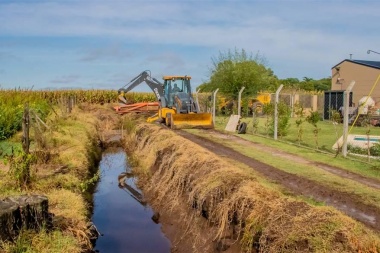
{"points": [[137, 107]]}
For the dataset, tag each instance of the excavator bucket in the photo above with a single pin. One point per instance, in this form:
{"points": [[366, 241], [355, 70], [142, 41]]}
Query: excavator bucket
{"points": [[191, 120]]}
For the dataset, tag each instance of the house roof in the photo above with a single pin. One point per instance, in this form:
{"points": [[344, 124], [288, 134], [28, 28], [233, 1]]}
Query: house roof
{"points": [[372, 64]]}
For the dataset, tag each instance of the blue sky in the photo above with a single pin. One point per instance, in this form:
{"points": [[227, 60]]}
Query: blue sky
{"points": [[104, 44]]}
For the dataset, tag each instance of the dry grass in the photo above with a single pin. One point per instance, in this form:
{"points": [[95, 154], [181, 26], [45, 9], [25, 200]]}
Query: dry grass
{"points": [[235, 204], [70, 214]]}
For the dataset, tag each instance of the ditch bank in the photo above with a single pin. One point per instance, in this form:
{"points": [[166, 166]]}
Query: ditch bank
{"points": [[65, 157], [208, 205]]}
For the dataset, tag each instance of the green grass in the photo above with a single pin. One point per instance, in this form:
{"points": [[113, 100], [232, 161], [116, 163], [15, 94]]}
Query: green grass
{"points": [[367, 194], [52, 242], [7, 145], [307, 149], [328, 134]]}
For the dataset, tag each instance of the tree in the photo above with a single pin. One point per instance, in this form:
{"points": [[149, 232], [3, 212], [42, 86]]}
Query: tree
{"points": [[307, 84], [310, 84], [233, 70], [323, 84]]}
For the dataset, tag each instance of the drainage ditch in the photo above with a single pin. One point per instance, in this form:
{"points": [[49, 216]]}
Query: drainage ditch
{"points": [[122, 217]]}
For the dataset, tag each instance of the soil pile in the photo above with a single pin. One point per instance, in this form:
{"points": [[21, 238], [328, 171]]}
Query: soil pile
{"points": [[221, 206]]}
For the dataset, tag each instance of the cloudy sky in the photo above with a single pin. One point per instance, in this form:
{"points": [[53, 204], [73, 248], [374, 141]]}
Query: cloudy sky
{"points": [[104, 44]]}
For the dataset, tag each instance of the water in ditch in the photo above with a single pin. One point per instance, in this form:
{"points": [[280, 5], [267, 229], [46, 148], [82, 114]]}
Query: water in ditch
{"points": [[124, 223]]}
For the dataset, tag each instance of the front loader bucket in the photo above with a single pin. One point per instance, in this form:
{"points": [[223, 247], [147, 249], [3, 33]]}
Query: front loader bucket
{"points": [[191, 120]]}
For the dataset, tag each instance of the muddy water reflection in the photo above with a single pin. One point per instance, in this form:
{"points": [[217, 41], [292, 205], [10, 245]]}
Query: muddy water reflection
{"points": [[125, 224]]}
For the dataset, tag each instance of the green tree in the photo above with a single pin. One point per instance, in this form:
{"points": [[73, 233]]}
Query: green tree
{"points": [[232, 70], [323, 84], [291, 83], [309, 84]]}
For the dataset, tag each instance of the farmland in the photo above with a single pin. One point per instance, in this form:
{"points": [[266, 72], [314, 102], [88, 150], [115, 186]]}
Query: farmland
{"points": [[289, 194]]}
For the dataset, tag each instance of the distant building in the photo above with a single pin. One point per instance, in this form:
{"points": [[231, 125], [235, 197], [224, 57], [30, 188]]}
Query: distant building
{"points": [[364, 73]]}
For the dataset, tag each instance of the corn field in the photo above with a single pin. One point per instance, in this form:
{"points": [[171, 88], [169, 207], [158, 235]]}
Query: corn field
{"points": [[12, 103]]}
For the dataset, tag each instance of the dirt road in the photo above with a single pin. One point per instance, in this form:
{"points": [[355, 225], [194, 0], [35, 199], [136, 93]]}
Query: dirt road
{"points": [[345, 202]]}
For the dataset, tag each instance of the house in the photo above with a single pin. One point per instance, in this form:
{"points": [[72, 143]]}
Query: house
{"points": [[364, 73]]}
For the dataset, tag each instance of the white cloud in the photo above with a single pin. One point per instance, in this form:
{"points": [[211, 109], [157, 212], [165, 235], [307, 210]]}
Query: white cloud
{"points": [[298, 38]]}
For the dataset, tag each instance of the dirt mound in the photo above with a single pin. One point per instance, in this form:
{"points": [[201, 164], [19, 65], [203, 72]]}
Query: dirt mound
{"points": [[234, 204]]}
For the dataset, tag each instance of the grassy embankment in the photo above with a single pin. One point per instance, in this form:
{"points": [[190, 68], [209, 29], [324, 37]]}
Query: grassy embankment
{"points": [[63, 162], [178, 172]]}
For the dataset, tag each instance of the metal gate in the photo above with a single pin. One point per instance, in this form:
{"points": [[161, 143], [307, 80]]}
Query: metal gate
{"points": [[333, 101]]}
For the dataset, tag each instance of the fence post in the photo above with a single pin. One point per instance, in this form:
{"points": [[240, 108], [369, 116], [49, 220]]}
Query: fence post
{"points": [[72, 102], [213, 106], [198, 109], [276, 111], [239, 101], [346, 102], [25, 129]]}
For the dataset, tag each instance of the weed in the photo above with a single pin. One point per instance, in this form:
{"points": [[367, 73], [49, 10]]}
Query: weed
{"points": [[21, 243], [84, 186], [19, 168], [299, 112], [313, 119]]}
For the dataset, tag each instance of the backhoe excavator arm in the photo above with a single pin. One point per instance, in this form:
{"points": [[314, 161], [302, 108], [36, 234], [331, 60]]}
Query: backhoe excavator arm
{"points": [[153, 83]]}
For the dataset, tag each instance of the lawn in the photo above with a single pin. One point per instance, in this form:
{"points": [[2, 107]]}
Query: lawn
{"points": [[328, 132]]}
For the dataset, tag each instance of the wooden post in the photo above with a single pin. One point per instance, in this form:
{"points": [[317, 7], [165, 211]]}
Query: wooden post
{"points": [[25, 129], [72, 102], [69, 106]]}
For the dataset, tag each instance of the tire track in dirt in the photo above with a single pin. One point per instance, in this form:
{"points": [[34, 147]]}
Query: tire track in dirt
{"points": [[370, 182], [345, 202]]}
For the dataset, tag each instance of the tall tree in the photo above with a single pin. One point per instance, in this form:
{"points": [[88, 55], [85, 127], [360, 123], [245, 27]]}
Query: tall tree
{"points": [[290, 83], [231, 71]]}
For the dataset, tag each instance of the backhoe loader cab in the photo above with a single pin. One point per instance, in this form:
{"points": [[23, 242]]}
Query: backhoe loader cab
{"points": [[176, 85]]}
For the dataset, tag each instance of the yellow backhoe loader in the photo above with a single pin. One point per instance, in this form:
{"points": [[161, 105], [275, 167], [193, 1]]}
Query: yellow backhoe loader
{"points": [[177, 108]]}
